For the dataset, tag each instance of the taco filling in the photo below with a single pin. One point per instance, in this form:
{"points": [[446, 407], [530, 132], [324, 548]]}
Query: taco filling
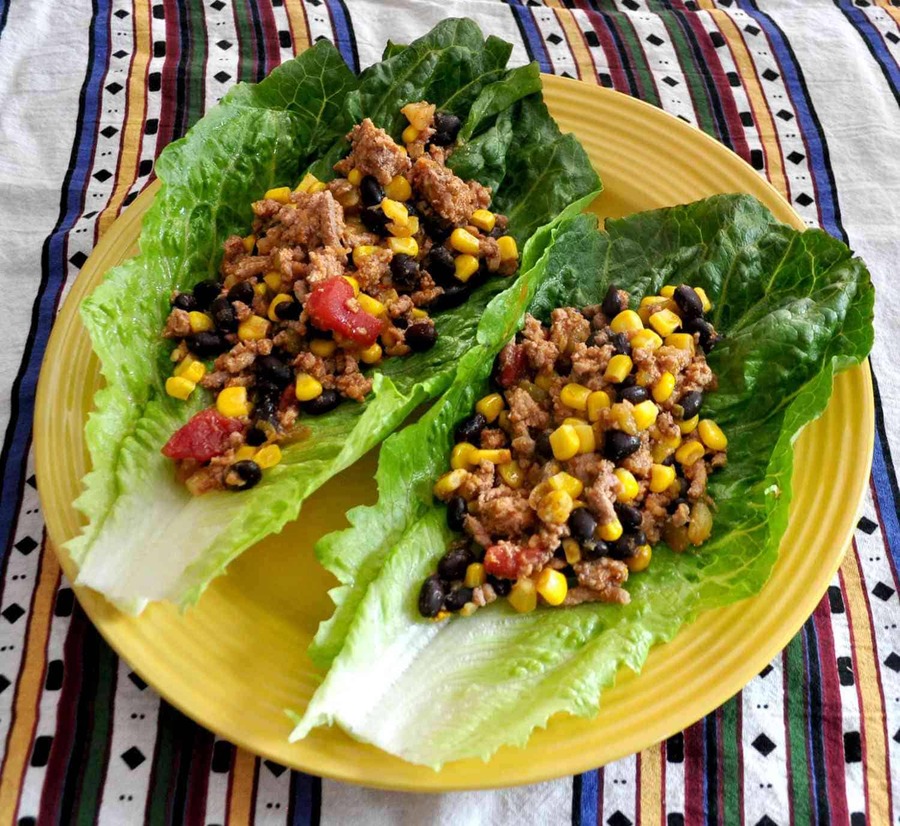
{"points": [[593, 448]]}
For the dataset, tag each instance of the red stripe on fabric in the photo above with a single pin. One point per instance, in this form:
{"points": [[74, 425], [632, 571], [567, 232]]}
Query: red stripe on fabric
{"points": [[694, 776], [663, 781], [170, 79], [720, 757], [198, 783], [613, 59], [601, 778], [637, 787], [739, 739], [270, 36]]}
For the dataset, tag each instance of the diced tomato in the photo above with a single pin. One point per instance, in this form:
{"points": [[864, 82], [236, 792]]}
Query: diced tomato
{"points": [[288, 396], [508, 560], [511, 365], [206, 435], [328, 309]]}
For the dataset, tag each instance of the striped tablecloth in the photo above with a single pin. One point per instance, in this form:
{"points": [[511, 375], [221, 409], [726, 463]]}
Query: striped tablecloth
{"points": [[807, 91]]}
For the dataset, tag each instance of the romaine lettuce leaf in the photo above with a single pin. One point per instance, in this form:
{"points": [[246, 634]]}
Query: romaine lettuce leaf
{"points": [[794, 307], [146, 538]]}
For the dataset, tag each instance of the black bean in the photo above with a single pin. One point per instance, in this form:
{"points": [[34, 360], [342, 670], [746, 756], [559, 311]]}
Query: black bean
{"points": [[629, 516], [440, 265], [275, 370], [421, 336], [612, 302], [370, 191], [542, 446], [618, 445], [266, 409], [628, 381], [453, 295], [184, 301], [675, 503], [624, 547], [635, 394], [431, 597], [404, 271], [453, 564], [288, 310], [223, 315], [242, 291], [256, 437], [457, 598], [469, 430], [324, 403], [688, 301], [205, 292], [691, 404], [621, 344], [497, 231], [571, 579], [582, 524], [594, 549], [501, 587], [435, 228], [448, 124], [242, 475], [456, 513], [669, 461], [709, 338], [208, 344], [401, 323], [373, 220]]}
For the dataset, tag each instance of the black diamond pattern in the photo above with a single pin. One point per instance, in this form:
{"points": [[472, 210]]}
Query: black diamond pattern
{"points": [[770, 74], [129, 198], [893, 38], [796, 157], [218, 5], [222, 76], [145, 167], [121, 14], [54, 679], [591, 39], [733, 79], [751, 30], [32, 480], [763, 745], [566, 74], [867, 526], [120, 54], [40, 754], [605, 80], [631, 4], [4, 683], [803, 199], [852, 747], [757, 161], [159, 48], [845, 670], [78, 259], [154, 82], [654, 40], [133, 757], [221, 758], [883, 591], [114, 88], [618, 819], [13, 613], [554, 38], [103, 175], [137, 681], [893, 661], [766, 671], [717, 39], [26, 544], [784, 114], [276, 768], [151, 127], [109, 131], [835, 599], [65, 602], [897, 736], [670, 81], [224, 44], [159, 11], [675, 818], [765, 820], [747, 118], [857, 819], [675, 748]]}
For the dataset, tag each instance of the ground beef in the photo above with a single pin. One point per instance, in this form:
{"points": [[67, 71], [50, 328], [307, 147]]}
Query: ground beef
{"points": [[568, 328], [541, 352], [373, 152], [449, 196], [492, 438], [604, 577], [524, 414], [589, 364], [696, 474], [374, 270], [178, 324], [503, 511], [601, 495], [242, 355]]}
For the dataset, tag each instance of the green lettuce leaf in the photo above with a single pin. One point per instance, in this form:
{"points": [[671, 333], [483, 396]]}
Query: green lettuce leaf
{"points": [[795, 308], [146, 538]]}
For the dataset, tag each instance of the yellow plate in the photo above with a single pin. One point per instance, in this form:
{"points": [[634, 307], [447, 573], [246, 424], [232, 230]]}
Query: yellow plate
{"points": [[237, 660]]}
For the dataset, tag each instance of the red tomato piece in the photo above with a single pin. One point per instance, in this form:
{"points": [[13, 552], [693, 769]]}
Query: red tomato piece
{"points": [[328, 309], [511, 364], [508, 560], [206, 435]]}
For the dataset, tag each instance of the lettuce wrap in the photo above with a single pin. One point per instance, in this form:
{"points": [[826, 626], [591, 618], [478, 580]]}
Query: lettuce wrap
{"points": [[146, 537], [795, 308]]}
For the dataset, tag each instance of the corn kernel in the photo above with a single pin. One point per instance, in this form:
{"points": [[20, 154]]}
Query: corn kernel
{"points": [[628, 485], [468, 609], [646, 339], [179, 387], [640, 560], [523, 596], [349, 199], [661, 476], [573, 420], [370, 305], [671, 442], [281, 298], [611, 531], [322, 347], [552, 586], [509, 250], [572, 551], [544, 381], [273, 281], [191, 369], [688, 425], [449, 483], [355, 176], [475, 575], [267, 456], [704, 299], [597, 401], [282, 194], [490, 406], [681, 341], [308, 180], [689, 453], [232, 402], [371, 354], [483, 219], [352, 282], [642, 378], [566, 482], [253, 329], [511, 474], [410, 228], [461, 455], [645, 414], [587, 440], [463, 241], [398, 189], [404, 246], [668, 291], [711, 435], [652, 300], [627, 321], [362, 252], [200, 322], [665, 322], [496, 456], [564, 442], [575, 396], [410, 134], [249, 243], [306, 388], [465, 266], [618, 369], [555, 508], [244, 452], [395, 211], [418, 312], [440, 616], [663, 388], [318, 186]]}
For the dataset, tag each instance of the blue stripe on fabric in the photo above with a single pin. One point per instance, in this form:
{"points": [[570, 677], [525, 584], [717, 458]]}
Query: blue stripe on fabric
{"points": [[18, 434], [875, 42], [306, 799], [584, 806], [343, 32], [534, 42], [887, 504], [4, 13], [823, 179]]}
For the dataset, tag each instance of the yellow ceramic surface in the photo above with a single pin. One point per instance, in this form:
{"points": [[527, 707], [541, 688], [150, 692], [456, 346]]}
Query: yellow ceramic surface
{"points": [[237, 660]]}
